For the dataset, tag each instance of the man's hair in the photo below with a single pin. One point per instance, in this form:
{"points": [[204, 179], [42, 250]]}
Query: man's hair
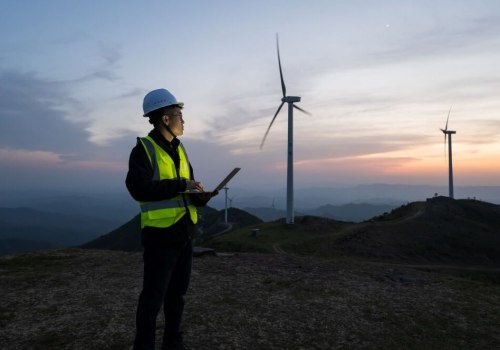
{"points": [[156, 115]]}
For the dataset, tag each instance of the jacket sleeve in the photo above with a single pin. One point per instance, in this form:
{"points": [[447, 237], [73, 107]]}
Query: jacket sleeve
{"points": [[140, 182]]}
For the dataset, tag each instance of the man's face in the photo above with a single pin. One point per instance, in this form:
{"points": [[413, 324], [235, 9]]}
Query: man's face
{"points": [[175, 121]]}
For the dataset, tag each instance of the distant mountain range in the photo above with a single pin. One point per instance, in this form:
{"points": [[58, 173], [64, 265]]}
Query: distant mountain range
{"points": [[99, 204], [388, 194], [74, 220], [60, 219], [115, 208], [354, 212], [26, 229]]}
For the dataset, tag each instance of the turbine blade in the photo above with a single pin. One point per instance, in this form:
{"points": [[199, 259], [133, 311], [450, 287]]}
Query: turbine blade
{"points": [[269, 127], [283, 87], [446, 127], [302, 110]]}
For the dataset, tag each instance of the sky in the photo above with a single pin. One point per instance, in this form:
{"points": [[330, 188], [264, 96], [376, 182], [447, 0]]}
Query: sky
{"points": [[378, 77]]}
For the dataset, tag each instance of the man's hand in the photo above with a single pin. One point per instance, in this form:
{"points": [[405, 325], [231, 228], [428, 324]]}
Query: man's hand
{"points": [[194, 185], [206, 196]]}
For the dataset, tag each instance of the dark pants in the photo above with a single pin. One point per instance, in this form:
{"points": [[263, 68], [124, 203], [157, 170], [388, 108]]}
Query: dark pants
{"points": [[166, 279]]}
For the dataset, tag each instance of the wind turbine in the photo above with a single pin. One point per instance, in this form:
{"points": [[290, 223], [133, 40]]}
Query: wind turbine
{"points": [[448, 133], [290, 100]]}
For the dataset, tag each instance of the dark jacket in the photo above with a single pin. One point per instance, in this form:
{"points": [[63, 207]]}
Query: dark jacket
{"points": [[141, 186]]}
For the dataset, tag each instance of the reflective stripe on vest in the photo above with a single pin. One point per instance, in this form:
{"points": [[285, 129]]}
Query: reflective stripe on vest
{"points": [[167, 212], [166, 204]]}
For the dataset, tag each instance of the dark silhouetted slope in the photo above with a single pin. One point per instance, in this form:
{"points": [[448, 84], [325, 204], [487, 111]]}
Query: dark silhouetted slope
{"points": [[127, 238], [211, 221], [438, 230]]}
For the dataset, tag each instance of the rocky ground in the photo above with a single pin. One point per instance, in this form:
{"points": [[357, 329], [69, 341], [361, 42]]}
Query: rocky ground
{"points": [[86, 299]]}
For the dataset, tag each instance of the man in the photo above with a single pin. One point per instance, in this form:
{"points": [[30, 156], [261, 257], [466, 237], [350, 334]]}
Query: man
{"points": [[159, 173]]}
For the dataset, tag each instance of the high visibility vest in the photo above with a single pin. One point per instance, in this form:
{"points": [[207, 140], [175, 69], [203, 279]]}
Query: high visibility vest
{"points": [[166, 212]]}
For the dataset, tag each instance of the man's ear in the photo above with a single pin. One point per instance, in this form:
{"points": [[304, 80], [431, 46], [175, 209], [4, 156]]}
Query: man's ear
{"points": [[165, 119]]}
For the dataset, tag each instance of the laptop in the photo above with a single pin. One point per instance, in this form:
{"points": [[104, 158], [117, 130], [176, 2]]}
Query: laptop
{"points": [[220, 186]]}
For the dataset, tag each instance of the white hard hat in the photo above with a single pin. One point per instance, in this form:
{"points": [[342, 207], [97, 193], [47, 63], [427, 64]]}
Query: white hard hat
{"points": [[157, 99]]}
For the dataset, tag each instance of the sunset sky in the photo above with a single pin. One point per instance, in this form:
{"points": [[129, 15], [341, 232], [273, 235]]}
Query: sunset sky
{"points": [[378, 77]]}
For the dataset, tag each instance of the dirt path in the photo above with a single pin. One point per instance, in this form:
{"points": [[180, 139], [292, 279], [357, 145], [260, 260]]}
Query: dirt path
{"points": [[229, 227], [277, 248]]}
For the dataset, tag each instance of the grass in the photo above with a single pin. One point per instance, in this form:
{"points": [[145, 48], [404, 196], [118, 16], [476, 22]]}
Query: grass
{"points": [[400, 212], [253, 301], [297, 239], [33, 261], [6, 315]]}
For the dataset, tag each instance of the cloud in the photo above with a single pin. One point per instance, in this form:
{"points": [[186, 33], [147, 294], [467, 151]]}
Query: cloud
{"points": [[480, 132], [22, 158], [111, 53], [36, 113]]}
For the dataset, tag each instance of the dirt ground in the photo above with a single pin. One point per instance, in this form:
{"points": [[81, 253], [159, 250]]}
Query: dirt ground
{"points": [[86, 299]]}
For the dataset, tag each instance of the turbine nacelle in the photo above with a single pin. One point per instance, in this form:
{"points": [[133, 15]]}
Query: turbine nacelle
{"points": [[291, 99]]}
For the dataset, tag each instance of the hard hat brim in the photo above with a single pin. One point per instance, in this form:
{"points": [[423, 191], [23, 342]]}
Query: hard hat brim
{"points": [[180, 104]]}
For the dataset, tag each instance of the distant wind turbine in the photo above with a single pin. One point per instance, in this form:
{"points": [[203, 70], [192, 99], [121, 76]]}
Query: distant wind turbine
{"points": [[225, 205], [448, 133], [290, 100]]}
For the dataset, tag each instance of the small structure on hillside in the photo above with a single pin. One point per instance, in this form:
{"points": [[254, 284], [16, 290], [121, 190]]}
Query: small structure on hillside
{"points": [[255, 232]]}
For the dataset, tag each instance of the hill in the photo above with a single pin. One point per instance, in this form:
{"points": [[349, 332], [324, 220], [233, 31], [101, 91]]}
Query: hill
{"points": [[126, 237], [211, 222], [440, 230], [86, 299], [271, 237]]}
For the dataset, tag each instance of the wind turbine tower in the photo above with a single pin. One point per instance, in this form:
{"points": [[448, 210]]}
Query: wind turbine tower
{"points": [[225, 205], [448, 133], [290, 100]]}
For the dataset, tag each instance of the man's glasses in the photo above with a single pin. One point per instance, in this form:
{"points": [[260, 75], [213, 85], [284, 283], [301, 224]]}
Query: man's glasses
{"points": [[173, 115]]}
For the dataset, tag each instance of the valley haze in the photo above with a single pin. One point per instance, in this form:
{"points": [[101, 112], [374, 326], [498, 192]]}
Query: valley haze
{"points": [[44, 219], [305, 197]]}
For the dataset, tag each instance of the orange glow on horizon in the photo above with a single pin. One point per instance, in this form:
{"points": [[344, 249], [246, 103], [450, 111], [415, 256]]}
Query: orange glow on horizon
{"points": [[472, 170], [33, 160]]}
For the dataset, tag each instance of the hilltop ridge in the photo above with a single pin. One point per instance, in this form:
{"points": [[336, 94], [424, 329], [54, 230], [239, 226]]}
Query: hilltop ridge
{"points": [[439, 230]]}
